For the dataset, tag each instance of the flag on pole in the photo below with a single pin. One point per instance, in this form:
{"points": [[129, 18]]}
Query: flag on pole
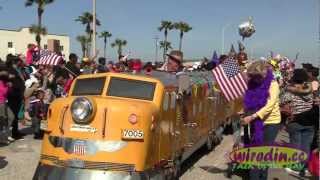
{"points": [[48, 58], [230, 79], [215, 58]]}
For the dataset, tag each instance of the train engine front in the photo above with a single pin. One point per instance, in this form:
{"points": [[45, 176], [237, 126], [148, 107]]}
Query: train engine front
{"points": [[102, 130]]}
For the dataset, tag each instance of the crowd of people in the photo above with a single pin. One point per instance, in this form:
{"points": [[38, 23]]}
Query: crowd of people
{"points": [[27, 88], [279, 95], [290, 100]]}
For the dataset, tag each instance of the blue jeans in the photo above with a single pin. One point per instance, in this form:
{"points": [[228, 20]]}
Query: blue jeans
{"points": [[270, 132], [301, 136]]}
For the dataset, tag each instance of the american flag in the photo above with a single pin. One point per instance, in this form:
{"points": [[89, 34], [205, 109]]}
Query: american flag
{"points": [[48, 58], [230, 79], [79, 148]]}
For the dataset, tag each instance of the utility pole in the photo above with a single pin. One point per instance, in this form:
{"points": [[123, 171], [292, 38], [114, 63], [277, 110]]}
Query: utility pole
{"points": [[156, 41], [94, 28]]}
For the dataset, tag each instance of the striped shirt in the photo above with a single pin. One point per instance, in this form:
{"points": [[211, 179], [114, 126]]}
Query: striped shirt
{"points": [[299, 102]]}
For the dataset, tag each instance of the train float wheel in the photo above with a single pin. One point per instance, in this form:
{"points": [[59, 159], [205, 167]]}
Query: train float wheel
{"points": [[176, 170]]}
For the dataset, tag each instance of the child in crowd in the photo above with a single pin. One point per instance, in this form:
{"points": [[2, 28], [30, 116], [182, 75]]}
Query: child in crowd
{"points": [[38, 113]]}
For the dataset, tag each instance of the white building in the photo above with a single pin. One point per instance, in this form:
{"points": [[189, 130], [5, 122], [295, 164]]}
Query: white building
{"points": [[16, 42]]}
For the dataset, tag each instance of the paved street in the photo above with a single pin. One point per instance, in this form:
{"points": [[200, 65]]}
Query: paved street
{"points": [[18, 162]]}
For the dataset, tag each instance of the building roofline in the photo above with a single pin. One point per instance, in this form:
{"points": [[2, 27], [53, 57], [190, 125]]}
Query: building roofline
{"points": [[20, 29]]}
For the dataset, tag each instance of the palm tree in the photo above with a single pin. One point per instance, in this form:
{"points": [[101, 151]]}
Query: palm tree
{"points": [[119, 44], [41, 5], [86, 19], [105, 35], [165, 45], [83, 40], [165, 26], [183, 28], [37, 30]]}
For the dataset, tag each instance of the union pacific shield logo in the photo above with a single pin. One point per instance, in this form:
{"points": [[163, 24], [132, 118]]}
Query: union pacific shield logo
{"points": [[79, 148]]}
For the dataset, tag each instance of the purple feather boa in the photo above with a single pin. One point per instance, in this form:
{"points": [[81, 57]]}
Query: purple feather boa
{"points": [[255, 98]]}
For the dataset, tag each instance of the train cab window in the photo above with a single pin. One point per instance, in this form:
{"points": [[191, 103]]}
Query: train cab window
{"points": [[173, 100], [128, 88], [89, 86], [165, 105]]}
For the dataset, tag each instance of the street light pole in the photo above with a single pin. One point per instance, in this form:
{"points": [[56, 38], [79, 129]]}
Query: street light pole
{"points": [[94, 28], [156, 55]]}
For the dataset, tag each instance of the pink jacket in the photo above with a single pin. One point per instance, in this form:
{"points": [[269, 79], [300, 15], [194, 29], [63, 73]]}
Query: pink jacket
{"points": [[29, 57], [3, 92]]}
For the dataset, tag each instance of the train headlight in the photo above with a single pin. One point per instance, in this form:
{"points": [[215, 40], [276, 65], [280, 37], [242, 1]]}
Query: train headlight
{"points": [[82, 110]]}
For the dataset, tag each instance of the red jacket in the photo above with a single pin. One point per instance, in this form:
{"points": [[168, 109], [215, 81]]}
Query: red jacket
{"points": [[67, 86]]}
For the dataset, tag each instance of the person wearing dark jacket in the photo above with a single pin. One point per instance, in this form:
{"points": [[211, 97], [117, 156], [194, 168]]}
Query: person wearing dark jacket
{"points": [[38, 113], [71, 64], [102, 65], [300, 126], [16, 95]]}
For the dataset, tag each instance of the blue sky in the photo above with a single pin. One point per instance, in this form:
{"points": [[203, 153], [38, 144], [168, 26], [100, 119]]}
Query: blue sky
{"points": [[283, 26]]}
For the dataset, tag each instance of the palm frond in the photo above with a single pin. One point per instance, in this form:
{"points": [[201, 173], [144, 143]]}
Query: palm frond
{"points": [[165, 44], [29, 2], [166, 25], [105, 34], [35, 29], [82, 39]]}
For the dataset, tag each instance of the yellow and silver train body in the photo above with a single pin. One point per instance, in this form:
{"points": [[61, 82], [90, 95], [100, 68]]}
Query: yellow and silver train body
{"points": [[125, 126]]}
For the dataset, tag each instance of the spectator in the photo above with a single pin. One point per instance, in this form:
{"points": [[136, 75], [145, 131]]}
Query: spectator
{"points": [[101, 66], [313, 75], [136, 66], [148, 68], [72, 64], [110, 66], [6, 115], [38, 113], [261, 104], [16, 94], [86, 66], [30, 54], [174, 63], [300, 128], [31, 85]]}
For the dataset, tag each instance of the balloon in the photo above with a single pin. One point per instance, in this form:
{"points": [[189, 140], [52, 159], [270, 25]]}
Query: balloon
{"points": [[246, 29]]}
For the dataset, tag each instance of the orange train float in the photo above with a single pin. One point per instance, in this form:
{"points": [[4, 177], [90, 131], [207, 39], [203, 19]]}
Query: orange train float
{"points": [[131, 126]]}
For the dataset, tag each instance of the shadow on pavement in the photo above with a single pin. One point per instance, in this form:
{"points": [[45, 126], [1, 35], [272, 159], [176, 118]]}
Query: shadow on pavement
{"points": [[294, 176], [228, 173], [213, 170], [26, 129], [195, 157], [3, 162]]}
